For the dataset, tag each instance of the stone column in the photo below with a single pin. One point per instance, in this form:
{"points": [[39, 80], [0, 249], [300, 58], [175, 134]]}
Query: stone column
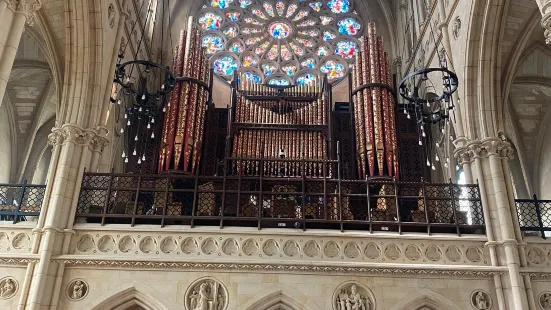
{"points": [[72, 152], [3, 7], [495, 149], [24, 13]]}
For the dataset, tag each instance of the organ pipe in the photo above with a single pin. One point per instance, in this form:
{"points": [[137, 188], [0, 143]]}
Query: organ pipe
{"points": [[374, 109], [184, 120]]}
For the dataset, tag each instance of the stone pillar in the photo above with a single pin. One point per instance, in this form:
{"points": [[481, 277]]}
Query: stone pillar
{"points": [[502, 238], [3, 7], [24, 13], [73, 148]]}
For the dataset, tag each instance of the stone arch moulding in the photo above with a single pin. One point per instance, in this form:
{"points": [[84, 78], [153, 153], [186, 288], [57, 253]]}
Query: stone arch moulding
{"points": [[279, 297], [128, 295], [428, 299]]}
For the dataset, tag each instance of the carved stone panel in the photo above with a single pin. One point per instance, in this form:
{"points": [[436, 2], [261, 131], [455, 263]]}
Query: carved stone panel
{"points": [[206, 293], [352, 295], [545, 300], [8, 287], [77, 290], [480, 300]]}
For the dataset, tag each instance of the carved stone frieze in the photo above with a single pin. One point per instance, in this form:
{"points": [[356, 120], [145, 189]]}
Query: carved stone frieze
{"points": [[278, 267], [8, 287], [206, 293], [353, 296], [271, 247], [15, 240]]}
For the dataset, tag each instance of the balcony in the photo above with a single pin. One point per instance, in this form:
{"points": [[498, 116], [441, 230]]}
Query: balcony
{"points": [[534, 215], [21, 202], [302, 194]]}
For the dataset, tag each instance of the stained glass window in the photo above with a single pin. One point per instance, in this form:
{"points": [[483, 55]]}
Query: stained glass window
{"points": [[348, 26], [289, 41], [210, 21], [225, 65]]}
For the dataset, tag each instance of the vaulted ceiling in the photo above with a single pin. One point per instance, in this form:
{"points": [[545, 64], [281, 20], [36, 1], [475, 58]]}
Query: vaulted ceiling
{"points": [[31, 94]]}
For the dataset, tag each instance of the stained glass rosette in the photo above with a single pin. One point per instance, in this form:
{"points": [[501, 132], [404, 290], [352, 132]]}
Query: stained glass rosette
{"points": [[305, 77], [334, 67], [213, 42], [280, 38], [347, 48], [279, 80], [249, 59], [253, 75], [224, 64]]}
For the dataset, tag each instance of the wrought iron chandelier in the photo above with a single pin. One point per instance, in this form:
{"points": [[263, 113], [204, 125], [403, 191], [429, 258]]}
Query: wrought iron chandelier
{"points": [[143, 82]]}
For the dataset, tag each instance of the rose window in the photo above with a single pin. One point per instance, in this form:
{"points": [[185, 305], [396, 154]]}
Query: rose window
{"points": [[280, 42]]}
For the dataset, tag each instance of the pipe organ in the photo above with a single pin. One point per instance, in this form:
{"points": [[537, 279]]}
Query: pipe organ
{"points": [[274, 123], [183, 126], [374, 109]]}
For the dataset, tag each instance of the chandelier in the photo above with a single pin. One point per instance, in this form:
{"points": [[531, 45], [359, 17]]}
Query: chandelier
{"points": [[143, 82]]}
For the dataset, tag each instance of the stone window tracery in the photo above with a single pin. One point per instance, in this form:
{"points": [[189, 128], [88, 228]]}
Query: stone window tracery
{"points": [[280, 42]]}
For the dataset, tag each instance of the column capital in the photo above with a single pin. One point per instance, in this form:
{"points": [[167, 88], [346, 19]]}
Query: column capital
{"points": [[546, 24], [490, 146], [397, 62], [27, 8], [463, 155], [71, 133]]}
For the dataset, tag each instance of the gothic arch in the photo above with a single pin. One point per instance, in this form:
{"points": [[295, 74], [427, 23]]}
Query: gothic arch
{"points": [[425, 299], [130, 295], [279, 297]]}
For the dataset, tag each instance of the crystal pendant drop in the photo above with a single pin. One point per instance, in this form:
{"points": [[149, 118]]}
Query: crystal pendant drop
{"points": [[164, 109], [152, 135], [420, 143], [139, 161], [148, 126], [136, 138], [423, 134], [119, 102], [134, 153], [126, 160], [143, 97], [128, 123], [409, 117], [152, 121], [122, 130], [437, 158], [433, 167], [123, 154], [428, 163], [143, 158]]}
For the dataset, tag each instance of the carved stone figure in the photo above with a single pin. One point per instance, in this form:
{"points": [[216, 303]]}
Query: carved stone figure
{"points": [[77, 290], [481, 300], [349, 298], [456, 27], [206, 294], [545, 301], [8, 288]]}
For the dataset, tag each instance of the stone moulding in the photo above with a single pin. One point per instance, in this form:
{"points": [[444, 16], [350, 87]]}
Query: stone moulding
{"points": [[486, 272], [272, 247], [15, 261]]}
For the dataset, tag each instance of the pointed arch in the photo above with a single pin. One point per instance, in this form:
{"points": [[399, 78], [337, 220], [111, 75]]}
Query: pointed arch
{"points": [[279, 297], [425, 299], [130, 295]]}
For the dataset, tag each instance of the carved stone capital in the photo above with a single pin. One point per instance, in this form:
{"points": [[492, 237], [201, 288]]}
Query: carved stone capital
{"points": [[98, 144], [491, 146], [463, 155], [56, 137], [27, 8], [546, 24], [71, 133]]}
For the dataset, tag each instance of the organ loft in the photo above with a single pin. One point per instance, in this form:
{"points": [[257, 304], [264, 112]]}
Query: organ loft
{"points": [[275, 154]]}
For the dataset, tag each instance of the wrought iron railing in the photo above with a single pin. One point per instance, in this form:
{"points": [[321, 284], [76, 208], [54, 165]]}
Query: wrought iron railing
{"points": [[280, 193], [534, 215], [20, 202]]}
